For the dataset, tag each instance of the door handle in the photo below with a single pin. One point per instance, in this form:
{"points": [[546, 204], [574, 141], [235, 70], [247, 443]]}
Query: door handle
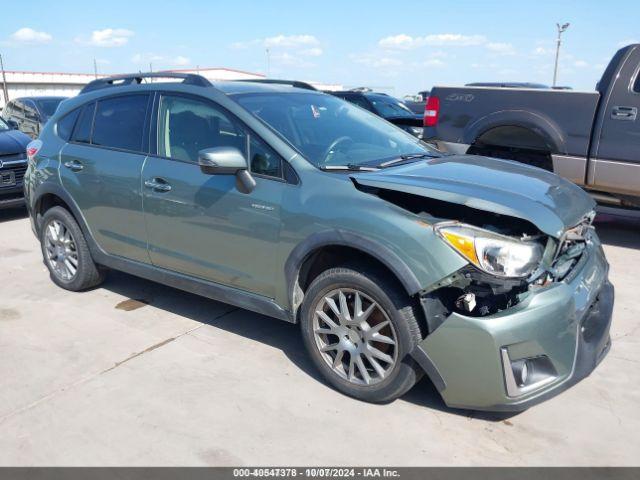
{"points": [[73, 165], [158, 184], [624, 113]]}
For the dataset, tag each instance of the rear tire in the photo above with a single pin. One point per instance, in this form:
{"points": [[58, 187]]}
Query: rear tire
{"points": [[381, 371], [533, 158], [65, 252]]}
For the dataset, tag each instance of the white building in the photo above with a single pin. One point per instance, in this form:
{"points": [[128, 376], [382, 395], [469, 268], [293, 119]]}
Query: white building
{"points": [[26, 84]]}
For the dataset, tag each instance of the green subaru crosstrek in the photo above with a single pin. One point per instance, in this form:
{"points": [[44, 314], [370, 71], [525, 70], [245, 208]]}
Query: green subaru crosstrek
{"points": [[396, 260]]}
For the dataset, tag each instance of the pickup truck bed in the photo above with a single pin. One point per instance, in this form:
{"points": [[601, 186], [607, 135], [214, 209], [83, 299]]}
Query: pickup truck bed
{"points": [[590, 138]]}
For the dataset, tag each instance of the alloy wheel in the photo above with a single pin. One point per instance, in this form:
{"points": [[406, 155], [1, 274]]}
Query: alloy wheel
{"points": [[60, 250], [355, 337]]}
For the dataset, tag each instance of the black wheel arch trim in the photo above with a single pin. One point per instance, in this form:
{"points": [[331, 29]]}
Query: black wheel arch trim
{"points": [[57, 190], [342, 238], [534, 122]]}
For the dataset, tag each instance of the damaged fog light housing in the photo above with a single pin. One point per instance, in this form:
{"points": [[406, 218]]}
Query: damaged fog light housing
{"points": [[526, 374], [495, 254]]}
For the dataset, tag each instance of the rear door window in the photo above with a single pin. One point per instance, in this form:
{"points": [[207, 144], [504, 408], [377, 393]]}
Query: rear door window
{"points": [[82, 131], [119, 122]]}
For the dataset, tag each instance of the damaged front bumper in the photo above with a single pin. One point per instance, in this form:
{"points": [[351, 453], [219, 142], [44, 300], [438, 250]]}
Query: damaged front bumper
{"points": [[516, 358]]}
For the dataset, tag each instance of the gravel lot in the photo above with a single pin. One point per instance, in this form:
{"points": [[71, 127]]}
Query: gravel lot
{"points": [[135, 373]]}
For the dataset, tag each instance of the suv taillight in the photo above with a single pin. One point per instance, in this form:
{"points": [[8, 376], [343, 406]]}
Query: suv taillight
{"points": [[431, 110], [33, 148]]}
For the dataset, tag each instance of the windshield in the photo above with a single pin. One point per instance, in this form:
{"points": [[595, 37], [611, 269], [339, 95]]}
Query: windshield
{"points": [[390, 107], [48, 107], [328, 131]]}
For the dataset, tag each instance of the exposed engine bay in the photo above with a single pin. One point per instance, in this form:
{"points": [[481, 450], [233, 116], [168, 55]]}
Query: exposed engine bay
{"points": [[473, 292]]}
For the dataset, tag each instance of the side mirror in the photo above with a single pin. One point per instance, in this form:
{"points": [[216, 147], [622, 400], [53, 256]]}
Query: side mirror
{"points": [[227, 161], [12, 123]]}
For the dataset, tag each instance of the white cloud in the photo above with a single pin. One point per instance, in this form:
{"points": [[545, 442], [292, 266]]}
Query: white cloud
{"points": [[375, 61], [181, 61], [542, 51], [312, 52], [147, 58], [290, 60], [291, 41], [406, 42], [29, 36], [580, 64], [280, 41], [628, 41], [501, 48], [433, 62], [109, 37]]}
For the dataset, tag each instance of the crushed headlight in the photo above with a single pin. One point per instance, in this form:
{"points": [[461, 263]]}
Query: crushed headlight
{"points": [[495, 254]]}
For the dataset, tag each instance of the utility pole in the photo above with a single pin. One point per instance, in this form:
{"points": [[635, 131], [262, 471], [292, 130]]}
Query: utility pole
{"points": [[4, 82], [268, 62], [561, 29], [95, 68]]}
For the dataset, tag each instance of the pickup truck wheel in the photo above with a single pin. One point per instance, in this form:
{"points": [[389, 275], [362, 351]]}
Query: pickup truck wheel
{"points": [[359, 328], [528, 157], [66, 253]]}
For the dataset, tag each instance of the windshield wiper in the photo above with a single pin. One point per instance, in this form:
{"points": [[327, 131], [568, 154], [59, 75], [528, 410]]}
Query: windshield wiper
{"points": [[406, 157], [349, 168]]}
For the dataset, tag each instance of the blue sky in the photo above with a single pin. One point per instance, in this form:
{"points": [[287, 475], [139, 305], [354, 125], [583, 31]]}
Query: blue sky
{"points": [[400, 47]]}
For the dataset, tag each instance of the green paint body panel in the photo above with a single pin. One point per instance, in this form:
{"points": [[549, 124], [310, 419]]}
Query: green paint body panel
{"points": [[206, 229], [466, 350]]}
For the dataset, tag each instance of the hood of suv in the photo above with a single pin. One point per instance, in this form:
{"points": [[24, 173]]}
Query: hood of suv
{"points": [[549, 202], [12, 142]]}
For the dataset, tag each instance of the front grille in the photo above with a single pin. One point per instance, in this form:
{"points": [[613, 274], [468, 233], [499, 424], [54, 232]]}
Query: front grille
{"points": [[17, 164], [13, 157]]}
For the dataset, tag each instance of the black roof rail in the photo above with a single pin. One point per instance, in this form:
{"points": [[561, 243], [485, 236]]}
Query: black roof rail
{"points": [[137, 78], [291, 83]]}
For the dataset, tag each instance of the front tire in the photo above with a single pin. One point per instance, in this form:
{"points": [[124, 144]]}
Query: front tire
{"points": [[359, 328], [66, 253]]}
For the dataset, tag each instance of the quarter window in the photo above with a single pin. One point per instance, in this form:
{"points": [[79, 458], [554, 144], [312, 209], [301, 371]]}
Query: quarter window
{"points": [[66, 123], [186, 126], [264, 161], [119, 122], [82, 131]]}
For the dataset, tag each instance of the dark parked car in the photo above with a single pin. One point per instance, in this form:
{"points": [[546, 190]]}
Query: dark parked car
{"points": [[29, 114], [385, 106], [417, 104], [590, 138], [13, 164]]}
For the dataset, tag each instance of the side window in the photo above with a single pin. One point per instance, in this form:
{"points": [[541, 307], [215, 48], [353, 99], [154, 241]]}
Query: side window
{"points": [[119, 122], [65, 125], [263, 160], [636, 85], [30, 110], [82, 131], [359, 101], [186, 126], [18, 110]]}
